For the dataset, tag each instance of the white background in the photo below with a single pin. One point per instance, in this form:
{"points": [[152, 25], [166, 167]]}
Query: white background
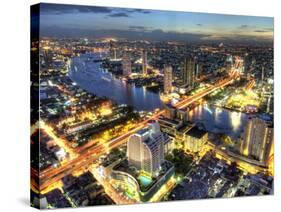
{"points": [[14, 102]]}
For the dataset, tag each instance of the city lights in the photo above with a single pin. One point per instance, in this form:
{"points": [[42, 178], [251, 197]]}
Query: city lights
{"points": [[145, 118]]}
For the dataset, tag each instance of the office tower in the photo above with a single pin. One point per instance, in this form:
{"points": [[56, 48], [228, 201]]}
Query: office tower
{"points": [[188, 72], [269, 105], [262, 73], [182, 115], [195, 139], [168, 77], [112, 49], [229, 63], [145, 149], [170, 111], [247, 64], [126, 64], [257, 140], [198, 69], [47, 57], [144, 62]]}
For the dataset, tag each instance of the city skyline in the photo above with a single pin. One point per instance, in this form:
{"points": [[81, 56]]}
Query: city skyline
{"points": [[97, 22], [136, 106]]}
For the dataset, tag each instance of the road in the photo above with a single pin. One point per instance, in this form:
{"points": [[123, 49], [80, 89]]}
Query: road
{"points": [[52, 175]]}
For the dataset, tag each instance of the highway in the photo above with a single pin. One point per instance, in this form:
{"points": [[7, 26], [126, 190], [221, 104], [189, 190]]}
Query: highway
{"points": [[52, 175]]}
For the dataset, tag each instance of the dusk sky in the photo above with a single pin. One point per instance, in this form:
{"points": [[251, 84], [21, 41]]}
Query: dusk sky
{"points": [[73, 20]]}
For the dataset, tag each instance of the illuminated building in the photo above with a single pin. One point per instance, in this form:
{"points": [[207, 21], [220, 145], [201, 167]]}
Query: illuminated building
{"points": [[112, 51], [198, 69], [228, 63], [126, 65], [168, 77], [170, 111], [47, 57], [60, 154], [145, 149], [195, 139], [144, 62], [173, 113], [262, 73], [188, 72], [257, 140], [174, 121], [76, 127], [145, 170]]}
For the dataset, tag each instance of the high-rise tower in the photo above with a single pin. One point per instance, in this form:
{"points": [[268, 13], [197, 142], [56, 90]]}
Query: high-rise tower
{"points": [[168, 78], [257, 139], [144, 62], [126, 65], [188, 72]]}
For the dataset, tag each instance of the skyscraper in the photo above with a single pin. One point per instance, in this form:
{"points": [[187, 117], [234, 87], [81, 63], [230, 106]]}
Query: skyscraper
{"points": [[188, 72], [257, 140], [144, 62], [168, 77], [262, 73], [126, 64], [228, 63], [47, 57], [145, 149], [112, 49], [198, 69]]}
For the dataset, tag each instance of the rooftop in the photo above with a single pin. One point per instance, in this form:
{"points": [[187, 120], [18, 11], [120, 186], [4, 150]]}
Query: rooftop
{"points": [[196, 132], [142, 131], [144, 181]]}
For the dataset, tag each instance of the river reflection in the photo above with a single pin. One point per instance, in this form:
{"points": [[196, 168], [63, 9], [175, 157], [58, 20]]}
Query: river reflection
{"points": [[218, 120], [89, 76], [92, 78]]}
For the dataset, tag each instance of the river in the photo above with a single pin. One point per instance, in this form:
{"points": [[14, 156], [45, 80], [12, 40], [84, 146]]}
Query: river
{"points": [[89, 76]]}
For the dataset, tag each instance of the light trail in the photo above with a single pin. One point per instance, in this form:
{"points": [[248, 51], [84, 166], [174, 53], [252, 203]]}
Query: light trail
{"points": [[52, 175], [59, 141]]}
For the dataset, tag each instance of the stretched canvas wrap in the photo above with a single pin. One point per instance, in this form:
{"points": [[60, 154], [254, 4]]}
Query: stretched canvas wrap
{"points": [[134, 106]]}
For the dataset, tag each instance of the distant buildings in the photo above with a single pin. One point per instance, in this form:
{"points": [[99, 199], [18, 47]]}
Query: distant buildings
{"points": [[126, 65], [168, 77], [47, 57], [144, 62], [257, 140], [189, 72], [228, 63], [113, 54], [195, 139], [145, 149]]}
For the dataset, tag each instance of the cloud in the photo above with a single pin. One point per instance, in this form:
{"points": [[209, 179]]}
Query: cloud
{"points": [[126, 12], [141, 11], [58, 9], [243, 26], [269, 29], [118, 15], [237, 38], [213, 37], [262, 31], [151, 34], [199, 25], [139, 28]]}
